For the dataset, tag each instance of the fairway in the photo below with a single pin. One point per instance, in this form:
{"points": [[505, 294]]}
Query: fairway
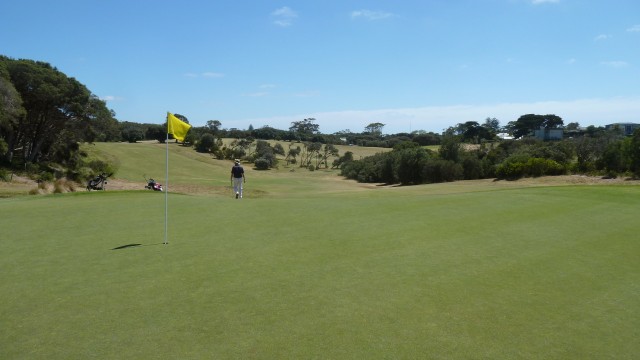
{"points": [[443, 271]]}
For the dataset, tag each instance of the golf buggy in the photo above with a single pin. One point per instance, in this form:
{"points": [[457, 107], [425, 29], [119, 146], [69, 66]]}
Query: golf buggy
{"points": [[98, 182], [153, 185]]}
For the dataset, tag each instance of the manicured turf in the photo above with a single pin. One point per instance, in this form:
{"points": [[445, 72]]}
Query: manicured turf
{"points": [[439, 271]]}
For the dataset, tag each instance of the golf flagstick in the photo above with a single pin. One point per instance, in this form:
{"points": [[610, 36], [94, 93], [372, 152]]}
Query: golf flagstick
{"points": [[166, 188]]}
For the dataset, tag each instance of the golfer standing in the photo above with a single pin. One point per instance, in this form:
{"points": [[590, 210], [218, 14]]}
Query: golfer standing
{"points": [[237, 178]]}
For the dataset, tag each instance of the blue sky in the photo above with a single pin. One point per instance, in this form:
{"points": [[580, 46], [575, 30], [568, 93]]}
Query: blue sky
{"points": [[411, 65]]}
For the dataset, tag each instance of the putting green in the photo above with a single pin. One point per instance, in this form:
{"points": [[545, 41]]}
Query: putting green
{"points": [[410, 272]]}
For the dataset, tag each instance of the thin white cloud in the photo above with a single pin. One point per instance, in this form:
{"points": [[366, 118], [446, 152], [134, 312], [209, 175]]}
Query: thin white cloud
{"points": [[284, 16], [371, 15], [571, 61], [207, 74], [615, 63], [634, 28], [601, 37], [538, 2], [212, 75], [305, 94], [110, 98], [257, 94]]}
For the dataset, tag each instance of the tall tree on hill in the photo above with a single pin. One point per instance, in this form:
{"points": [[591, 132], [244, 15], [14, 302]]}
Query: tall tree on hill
{"points": [[374, 129], [213, 126], [526, 124], [304, 129], [492, 125], [328, 151], [473, 132], [59, 109], [310, 151], [11, 110]]}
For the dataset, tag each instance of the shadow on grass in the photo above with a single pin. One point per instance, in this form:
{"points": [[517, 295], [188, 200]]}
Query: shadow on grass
{"points": [[134, 246]]}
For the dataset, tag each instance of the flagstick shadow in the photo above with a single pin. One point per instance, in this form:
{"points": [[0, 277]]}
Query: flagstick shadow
{"points": [[134, 246]]}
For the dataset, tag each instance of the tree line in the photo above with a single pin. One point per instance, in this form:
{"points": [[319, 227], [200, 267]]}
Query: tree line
{"points": [[606, 153], [46, 115]]}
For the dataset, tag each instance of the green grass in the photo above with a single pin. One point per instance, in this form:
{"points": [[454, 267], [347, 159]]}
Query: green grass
{"points": [[461, 270]]}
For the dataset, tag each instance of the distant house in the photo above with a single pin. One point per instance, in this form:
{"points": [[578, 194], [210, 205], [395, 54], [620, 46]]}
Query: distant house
{"points": [[627, 128], [548, 134]]}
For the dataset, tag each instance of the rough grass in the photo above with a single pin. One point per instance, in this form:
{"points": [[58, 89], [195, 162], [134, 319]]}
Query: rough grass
{"points": [[317, 267]]}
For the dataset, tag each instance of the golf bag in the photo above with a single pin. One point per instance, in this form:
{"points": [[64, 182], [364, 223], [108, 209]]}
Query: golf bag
{"points": [[153, 185], [98, 182]]}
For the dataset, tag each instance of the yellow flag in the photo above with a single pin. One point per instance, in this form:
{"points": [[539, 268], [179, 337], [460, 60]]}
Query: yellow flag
{"points": [[177, 127]]}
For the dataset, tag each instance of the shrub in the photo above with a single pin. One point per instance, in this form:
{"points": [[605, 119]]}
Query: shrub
{"points": [[439, 170], [58, 186], [46, 176], [100, 166], [207, 143], [510, 170], [517, 167], [262, 164], [472, 167], [4, 175], [42, 185]]}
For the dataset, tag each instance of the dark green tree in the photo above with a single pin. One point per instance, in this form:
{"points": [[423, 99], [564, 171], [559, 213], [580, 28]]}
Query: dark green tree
{"points": [[328, 151], [59, 110], [278, 149], [492, 125], [374, 129], [213, 126], [156, 132], [473, 132], [292, 154], [206, 144], [11, 112], [526, 124], [450, 149], [309, 152], [347, 157], [410, 163], [264, 156], [132, 134], [304, 129], [633, 152]]}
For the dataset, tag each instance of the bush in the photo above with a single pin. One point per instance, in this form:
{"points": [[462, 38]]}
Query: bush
{"points": [[536, 167], [517, 167], [438, 170], [58, 187], [510, 170], [61, 186], [207, 143], [99, 166], [262, 164], [472, 167], [45, 176], [4, 175], [132, 134]]}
